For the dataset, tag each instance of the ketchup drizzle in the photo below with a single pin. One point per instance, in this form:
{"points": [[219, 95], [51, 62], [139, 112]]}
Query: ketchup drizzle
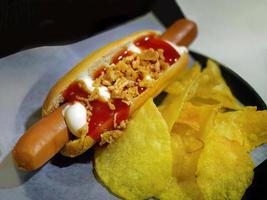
{"points": [[151, 41], [99, 72], [122, 54], [74, 91], [103, 117]]}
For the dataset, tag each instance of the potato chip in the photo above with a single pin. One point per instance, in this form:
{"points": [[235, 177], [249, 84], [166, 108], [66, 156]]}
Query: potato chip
{"points": [[224, 169], [186, 141], [183, 191], [192, 143], [183, 183], [184, 162], [189, 117], [193, 115], [138, 164], [212, 88], [191, 139], [178, 154], [247, 127], [171, 108], [173, 103], [189, 165], [183, 80], [172, 191]]}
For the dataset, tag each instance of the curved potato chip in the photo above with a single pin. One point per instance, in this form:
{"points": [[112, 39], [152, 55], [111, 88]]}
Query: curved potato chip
{"points": [[183, 183], [189, 164], [247, 127], [183, 80], [180, 191], [171, 108], [212, 89], [138, 164], [192, 143], [191, 115], [186, 143], [178, 154], [196, 117], [224, 169], [172, 105]]}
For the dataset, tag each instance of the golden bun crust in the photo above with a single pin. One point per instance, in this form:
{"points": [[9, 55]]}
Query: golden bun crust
{"points": [[88, 65]]}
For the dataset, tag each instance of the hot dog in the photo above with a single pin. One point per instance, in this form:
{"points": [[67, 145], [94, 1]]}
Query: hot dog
{"points": [[100, 97]]}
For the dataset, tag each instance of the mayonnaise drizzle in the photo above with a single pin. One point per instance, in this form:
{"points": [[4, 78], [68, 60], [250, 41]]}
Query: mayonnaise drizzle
{"points": [[133, 48], [89, 84], [180, 49], [75, 116]]}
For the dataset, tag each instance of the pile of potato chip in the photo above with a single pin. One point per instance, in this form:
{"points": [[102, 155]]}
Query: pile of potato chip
{"points": [[195, 145]]}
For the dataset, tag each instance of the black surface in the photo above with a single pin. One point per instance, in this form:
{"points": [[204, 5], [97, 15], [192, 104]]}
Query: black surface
{"points": [[31, 23], [257, 190], [167, 11]]}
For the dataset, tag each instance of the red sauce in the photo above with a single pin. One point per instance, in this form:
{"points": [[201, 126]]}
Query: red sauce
{"points": [[102, 116], [74, 91], [150, 41], [141, 89], [122, 54], [98, 72]]}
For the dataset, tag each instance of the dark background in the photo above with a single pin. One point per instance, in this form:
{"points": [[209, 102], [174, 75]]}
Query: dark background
{"points": [[29, 23]]}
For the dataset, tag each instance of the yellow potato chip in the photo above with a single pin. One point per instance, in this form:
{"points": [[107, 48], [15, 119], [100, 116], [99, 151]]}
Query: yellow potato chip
{"points": [[138, 164], [183, 79], [183, 191], [172, 105], [247, 127], [184, 162], [192, 143], [183, 183], [178, 154], [224, 169], [172, 191], [186, 141], [189, 166], [212, 88], [195, 116], [191, 115], [192, 139], [171, 108]]}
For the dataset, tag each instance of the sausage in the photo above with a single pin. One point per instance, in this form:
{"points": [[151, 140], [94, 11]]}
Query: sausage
{"points": [[48, 136], [41, 141], [186, 34]]}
